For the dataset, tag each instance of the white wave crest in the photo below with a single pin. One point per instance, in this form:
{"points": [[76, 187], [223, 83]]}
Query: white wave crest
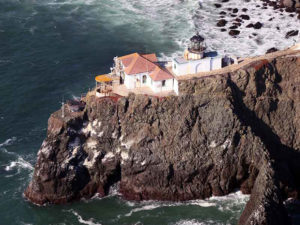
{"points": [[8, 142], [20, 163], [81, 220], [195, 222], [223, 203]]}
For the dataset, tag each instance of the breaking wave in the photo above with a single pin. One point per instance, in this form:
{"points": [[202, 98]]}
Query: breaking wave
{"points": [[175, 21], [195, 222], [8, 142], [231, 202], [81, 220], [20, 163]]}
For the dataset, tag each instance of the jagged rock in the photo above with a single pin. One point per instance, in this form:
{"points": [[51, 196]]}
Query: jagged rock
{"points": [[217, 5], [291, 33], [270, 50], [234, 32], [221, 23], [238, 130], [245, 17], [257, 25], [233, 27]]}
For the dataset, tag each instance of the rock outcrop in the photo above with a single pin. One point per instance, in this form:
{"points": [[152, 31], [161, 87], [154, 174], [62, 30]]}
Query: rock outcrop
{"points": [[238, 130]]}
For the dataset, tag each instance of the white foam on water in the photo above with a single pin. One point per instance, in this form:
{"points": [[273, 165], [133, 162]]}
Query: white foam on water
{"points": [[195, 222], [8, 142], [223, 203], [82, 221], [20, 163]]}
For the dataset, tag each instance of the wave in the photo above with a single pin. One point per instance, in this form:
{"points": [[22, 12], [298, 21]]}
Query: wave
{"points": [[195, 222], [20, 163], [81, 220], [223, 203], [8, 142]]}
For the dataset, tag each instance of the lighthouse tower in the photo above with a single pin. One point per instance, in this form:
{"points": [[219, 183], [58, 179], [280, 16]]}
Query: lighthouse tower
{"points": [[196, 48]]}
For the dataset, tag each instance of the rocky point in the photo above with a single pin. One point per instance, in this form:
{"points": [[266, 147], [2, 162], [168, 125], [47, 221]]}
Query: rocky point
{"points": [[239, 130]]}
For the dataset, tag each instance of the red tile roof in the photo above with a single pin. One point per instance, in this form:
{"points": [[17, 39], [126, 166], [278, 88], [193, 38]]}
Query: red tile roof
{"points": [[160, 74], [136, 63], [151, 57]]}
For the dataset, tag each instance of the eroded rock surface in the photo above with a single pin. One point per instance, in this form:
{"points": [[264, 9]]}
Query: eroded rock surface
{"points": [[239, 130]]}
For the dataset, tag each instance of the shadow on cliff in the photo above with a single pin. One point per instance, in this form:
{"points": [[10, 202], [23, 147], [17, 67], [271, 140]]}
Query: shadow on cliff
{"points": [[284, 159]]}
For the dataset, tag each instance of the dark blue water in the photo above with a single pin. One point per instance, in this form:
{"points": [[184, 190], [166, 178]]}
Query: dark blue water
{"points": [[50, 50]]}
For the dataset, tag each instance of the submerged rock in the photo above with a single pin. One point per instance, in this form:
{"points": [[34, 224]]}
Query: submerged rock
{"points": [[234, 32], [291, 33], [221, 23]]}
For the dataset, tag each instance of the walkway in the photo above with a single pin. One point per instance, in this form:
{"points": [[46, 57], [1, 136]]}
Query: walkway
{"points": [[247, 61], [123, 91]]}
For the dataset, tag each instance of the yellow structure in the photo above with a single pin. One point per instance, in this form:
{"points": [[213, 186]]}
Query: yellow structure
{"points": [[103, 78]]}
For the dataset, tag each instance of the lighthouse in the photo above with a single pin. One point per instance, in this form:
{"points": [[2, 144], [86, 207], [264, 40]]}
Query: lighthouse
{"points": [[196, 48], [196, 59]]}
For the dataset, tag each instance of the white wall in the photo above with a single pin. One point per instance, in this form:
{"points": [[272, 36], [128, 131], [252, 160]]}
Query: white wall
{"points": [[217, 63], [130, 81], [179, 69], [157, 86], [135, 81], [202, 65], [176, 88], [197, 66]]}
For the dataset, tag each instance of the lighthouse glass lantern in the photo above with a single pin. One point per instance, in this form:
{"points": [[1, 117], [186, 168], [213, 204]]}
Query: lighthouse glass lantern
{"points": [[196, 48]]}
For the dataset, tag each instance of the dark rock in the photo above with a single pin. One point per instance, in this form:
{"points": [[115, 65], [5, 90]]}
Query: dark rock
{"points": [[218, 5], [244, 9], [233, 15], [222, 13], [225, 0], [245, 17], [290, 10], [239, 20], [291, 33], [221, 23], [233, 27], [237, 24], [234, 32], [223, 30], [250, 25], [257, 25], [235, 10], [270, 50]]}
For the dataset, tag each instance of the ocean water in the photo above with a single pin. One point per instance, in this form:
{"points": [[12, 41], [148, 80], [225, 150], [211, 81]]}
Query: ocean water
{"points": [[51, 50]]}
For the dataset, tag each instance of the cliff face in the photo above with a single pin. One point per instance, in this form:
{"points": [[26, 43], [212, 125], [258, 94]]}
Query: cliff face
{"points": [[239, 130]]}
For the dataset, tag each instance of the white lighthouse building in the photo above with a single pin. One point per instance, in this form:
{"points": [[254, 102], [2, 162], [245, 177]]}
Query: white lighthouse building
{"points": [[195, 59]]}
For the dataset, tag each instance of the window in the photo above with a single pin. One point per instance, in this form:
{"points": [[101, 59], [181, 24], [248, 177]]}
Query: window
{"points": [[163, 83], [144, 79]]}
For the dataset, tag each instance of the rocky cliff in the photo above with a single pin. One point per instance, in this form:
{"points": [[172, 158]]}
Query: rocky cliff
{"points": [[235, 131]]}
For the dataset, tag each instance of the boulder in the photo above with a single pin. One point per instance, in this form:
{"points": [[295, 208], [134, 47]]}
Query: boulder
{"points": [[291, 33], [234, 32], [221, 23]]}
